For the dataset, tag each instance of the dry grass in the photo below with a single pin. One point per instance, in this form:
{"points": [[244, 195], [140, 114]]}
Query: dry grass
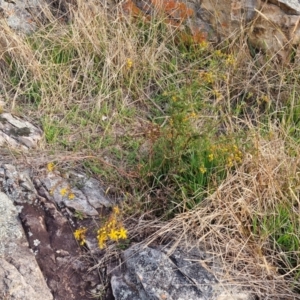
{"points": [[224, 224], [102, 66]]}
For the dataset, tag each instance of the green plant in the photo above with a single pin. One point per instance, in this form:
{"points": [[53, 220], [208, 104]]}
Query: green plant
{"points": [[79, 215], [181, 157]]}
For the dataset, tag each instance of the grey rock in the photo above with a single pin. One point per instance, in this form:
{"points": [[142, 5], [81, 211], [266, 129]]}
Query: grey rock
{"points": [[289, 6], [20, 276], [152, 274], [17, 184], [88, 193], [17, 14], [122, 291], [159, 276], [92, 189], [18, 133], [6, 139], [56, 184]]}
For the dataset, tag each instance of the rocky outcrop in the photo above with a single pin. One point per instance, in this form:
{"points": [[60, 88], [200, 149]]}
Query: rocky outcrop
{"points": [[271, 26], [152, 274], [48, 217], [48, 205], [20, 275]]}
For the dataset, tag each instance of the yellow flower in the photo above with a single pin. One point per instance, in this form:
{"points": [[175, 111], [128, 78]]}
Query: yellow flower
{"points": [[129, 63], [193, 115], [211, 157], [71, 196], [79, 235], [218, 53], [102, 238], [230, 60], [113, 235], [116, 210], [229, 163], [204, 45], [122, 233], [202, 169], [50, 167], [207, 77], [112, 223], [63, 191]]}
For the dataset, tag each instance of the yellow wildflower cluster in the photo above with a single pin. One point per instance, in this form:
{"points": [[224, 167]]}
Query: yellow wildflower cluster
{"points": [[231, 153], [80, 234], [189, 116], [112, 229], [207, 77], [230, 60], [235, 156]]}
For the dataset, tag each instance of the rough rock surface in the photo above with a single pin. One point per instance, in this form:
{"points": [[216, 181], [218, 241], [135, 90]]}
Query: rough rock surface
{"points": [[78, 192], [152, 274], [272, 26], [20, 276], [49, 225], [17, 14], [17, 133]]}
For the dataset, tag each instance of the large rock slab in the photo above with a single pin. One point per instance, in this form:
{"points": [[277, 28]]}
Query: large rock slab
{"points": [[49, 229], [153, 274], [75, 191], [20, 276]]}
